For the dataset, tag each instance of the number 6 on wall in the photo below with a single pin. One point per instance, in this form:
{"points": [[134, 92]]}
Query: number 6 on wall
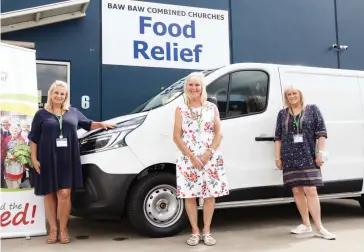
{"points": [[85, 102]]}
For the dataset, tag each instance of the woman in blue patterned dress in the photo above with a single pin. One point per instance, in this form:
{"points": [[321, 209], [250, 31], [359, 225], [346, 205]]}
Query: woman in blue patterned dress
{"points": [[300, 143]]}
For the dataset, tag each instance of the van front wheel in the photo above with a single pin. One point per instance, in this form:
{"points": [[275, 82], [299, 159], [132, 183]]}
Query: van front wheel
{"points": [[153, 208], [361, 201]]}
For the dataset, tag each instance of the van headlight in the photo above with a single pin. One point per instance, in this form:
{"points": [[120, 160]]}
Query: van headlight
{"points": [[103, 140]]}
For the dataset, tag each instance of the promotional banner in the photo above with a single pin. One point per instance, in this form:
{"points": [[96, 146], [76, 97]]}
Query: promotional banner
{"points": [[137, 33], [21, 212]]}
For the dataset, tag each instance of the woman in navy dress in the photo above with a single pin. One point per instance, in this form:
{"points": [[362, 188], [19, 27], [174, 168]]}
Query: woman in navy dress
{"points": [[56, 156], [300, 143]]}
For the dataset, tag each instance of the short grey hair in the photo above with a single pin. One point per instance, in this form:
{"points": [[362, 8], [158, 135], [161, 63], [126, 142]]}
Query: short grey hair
{"points": [[201, 79]]}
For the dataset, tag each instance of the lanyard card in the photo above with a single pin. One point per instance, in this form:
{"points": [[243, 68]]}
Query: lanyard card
{"points": [[61, 142], [298, 138]]}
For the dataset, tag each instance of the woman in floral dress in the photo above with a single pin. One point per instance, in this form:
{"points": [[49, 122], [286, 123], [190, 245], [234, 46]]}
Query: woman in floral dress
{"points": [[200, 165]]}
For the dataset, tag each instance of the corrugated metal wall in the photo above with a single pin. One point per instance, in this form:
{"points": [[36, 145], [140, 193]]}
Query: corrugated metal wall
{"points": [[280, 31]]}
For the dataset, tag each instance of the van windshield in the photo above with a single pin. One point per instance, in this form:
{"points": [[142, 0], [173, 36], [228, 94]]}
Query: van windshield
{"points": [[167, 95]]}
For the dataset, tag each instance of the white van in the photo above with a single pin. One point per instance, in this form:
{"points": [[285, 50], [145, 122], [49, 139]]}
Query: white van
{"points": [[131, 169]]}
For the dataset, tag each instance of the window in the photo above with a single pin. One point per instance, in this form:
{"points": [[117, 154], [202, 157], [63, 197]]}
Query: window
{"points": [[47, 73], [167, 95], [248, 93], [243, 92], [218, 91]]}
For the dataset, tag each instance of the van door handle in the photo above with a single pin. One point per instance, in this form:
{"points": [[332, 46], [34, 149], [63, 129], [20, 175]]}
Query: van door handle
{"points": [[264, 138]]}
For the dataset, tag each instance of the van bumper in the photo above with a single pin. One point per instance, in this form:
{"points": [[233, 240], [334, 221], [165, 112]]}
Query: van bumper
{"points": [[103, 195]]}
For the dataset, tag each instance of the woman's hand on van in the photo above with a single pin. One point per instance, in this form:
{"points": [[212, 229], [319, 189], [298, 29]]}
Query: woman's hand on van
{"points": [[196, 162], [107, 125], [279, 164]]}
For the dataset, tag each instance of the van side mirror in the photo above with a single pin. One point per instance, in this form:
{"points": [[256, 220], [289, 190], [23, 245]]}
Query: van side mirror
{"points": [[212, 100]]}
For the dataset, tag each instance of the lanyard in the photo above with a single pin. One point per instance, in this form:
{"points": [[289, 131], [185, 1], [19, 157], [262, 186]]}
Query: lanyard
{"points": [[194, 116], [295, 121], [60, 124]]}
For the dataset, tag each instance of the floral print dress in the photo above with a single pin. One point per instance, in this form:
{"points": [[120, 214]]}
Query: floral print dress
{"points": [[210, 180]]}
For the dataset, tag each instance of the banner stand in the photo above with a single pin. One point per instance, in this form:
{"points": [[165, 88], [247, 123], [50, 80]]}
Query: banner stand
{"points": [[22, 213]]}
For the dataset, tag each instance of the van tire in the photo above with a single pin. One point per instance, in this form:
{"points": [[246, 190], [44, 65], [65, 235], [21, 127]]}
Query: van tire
{"points": [[138, 202], [361, 201]]}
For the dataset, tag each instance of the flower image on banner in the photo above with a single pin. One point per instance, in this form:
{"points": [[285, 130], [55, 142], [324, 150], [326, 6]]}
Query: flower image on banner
{"points": [[22, 212]]}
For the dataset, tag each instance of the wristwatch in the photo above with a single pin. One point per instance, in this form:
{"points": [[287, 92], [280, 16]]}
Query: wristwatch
{"points": [[321, 152], [212, 150]]}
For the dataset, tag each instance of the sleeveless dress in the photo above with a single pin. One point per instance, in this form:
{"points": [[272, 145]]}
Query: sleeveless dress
{"points": [[210, 180]]}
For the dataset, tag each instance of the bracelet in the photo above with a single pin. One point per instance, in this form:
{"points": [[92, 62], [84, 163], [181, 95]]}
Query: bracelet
{"points": [[211, 150]]}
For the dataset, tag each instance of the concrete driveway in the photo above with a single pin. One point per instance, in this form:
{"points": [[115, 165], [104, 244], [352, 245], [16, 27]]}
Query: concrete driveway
{"points": [[244, 229]]}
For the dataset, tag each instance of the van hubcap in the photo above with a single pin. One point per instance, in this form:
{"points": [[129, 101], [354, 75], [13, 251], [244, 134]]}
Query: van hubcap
{"points": [[161, 206]]}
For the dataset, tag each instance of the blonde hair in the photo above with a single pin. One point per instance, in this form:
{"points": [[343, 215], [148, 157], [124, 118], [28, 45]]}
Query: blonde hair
{"points": [[201, 80], [289, 88], [66, 103]]}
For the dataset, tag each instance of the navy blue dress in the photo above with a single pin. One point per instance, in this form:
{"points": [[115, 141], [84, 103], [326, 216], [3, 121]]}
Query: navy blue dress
{"points": [[60, 167], [298, 159]]}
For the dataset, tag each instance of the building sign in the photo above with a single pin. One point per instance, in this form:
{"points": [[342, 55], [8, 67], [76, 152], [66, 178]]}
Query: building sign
{"points": [[136, 33]]}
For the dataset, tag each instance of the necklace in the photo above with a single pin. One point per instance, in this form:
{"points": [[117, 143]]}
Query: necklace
{"points": [[59, 118], [295, 120], [195, 117]]}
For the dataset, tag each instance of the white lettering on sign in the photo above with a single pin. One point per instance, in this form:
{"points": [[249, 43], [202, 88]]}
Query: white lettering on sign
{"points": [[85, 102], [163, 35]]}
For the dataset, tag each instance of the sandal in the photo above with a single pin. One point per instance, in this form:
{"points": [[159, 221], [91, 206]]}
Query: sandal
{"points": [[63, 237], [208, 239], [52, 236], [194, 240]]}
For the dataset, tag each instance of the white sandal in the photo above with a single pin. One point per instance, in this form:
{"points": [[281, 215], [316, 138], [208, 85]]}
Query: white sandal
{"points": [[194, 239], [208, 239]]}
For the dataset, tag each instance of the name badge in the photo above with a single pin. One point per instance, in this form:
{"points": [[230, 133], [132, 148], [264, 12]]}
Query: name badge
{"points": [[61, 142], [298, 138]]}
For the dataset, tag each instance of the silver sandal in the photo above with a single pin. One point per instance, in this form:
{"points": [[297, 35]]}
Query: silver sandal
{"points": [[208, 239], [194, 239]]}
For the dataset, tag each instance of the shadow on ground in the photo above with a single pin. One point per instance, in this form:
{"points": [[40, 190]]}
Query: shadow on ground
{"points": [[225, 220], [255, 229]]}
